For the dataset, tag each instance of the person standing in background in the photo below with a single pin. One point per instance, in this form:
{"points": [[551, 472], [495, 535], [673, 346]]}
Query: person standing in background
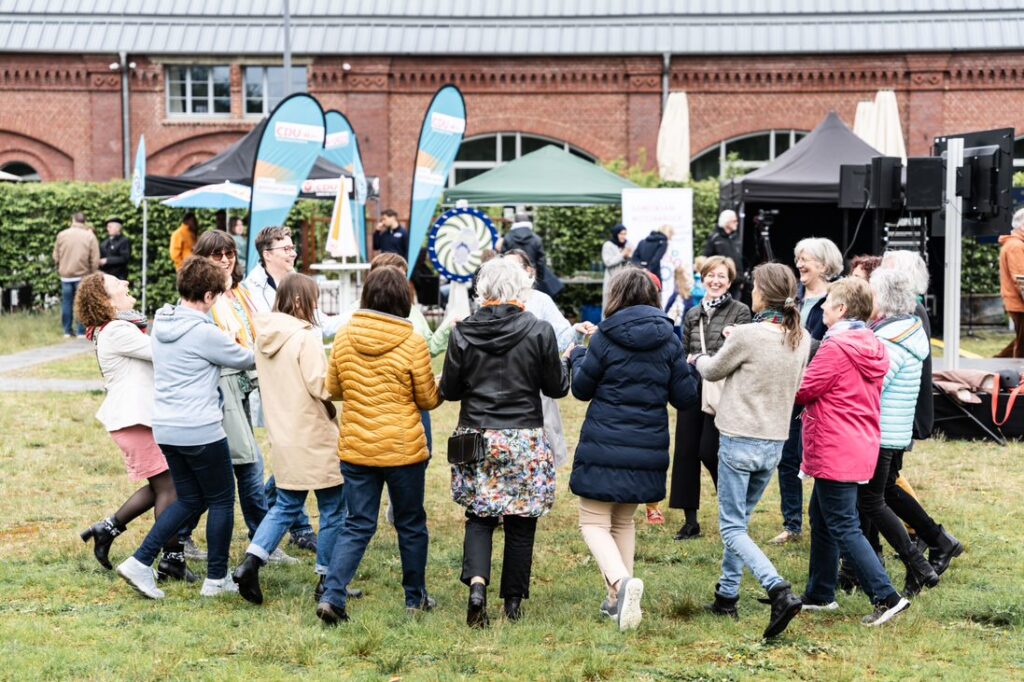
{"points": [[116, 250], [77, 254], [237, 232], [1011, 266], [652, 249], [726, 241], [522, 236], [390, 236], [183, 240], [615, 253]]}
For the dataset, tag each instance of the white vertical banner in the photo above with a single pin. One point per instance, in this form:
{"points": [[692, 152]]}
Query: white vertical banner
{"points": [[645, 210]]}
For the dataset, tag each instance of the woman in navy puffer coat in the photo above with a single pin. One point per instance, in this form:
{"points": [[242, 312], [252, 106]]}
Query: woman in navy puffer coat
{"points": [[634, 366]]}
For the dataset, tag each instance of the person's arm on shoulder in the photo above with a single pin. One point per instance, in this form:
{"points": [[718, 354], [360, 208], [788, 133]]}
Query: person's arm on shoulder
{"points": [[130, 341], [333, 383], [554, 377], [821, 375], [313, 366], [221, 350], [451, 373], [727, 360], [587, 368], [682, 387], [424, 387]]}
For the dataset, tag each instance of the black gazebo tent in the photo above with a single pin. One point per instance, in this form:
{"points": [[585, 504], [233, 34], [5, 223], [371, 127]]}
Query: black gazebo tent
{"points": [[234, 164]]}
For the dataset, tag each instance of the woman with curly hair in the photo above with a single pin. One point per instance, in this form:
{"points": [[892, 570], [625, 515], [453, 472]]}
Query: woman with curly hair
{"points": [[125, 357]]}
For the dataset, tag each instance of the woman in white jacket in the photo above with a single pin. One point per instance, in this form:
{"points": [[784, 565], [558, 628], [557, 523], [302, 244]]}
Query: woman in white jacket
{"points": [[125, 357]]}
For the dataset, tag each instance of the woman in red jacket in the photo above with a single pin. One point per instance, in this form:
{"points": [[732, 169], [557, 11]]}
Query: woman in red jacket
{"points": [[841, 433]]}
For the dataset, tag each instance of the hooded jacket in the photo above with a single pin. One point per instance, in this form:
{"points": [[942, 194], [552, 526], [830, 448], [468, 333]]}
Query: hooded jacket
{"points": [[842, 391], [1011, 265], [188, 353], [633, 367], [908, 346], [650, 251], [500, 359], [292, 370], [380, 368], [522, 237]]}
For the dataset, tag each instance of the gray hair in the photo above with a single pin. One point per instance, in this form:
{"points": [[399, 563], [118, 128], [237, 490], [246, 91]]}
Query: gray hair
{"points": [[726, 216], [823, 251], [502, 280], [1017, 222], [893, 291], [911, 263]]}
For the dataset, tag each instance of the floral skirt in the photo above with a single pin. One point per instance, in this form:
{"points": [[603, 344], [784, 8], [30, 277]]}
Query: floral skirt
{"points": [[516, 478]]}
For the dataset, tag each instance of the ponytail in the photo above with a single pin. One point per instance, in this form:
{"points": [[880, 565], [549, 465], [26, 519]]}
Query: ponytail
{"points": [[791, 323], [776, 285]]}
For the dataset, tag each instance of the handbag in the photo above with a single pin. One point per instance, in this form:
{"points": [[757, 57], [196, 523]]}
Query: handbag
{"points": [[710, 391], [467, 448]]}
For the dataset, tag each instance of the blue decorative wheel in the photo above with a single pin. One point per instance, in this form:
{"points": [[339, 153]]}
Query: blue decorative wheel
{"points": [[458, 240]]}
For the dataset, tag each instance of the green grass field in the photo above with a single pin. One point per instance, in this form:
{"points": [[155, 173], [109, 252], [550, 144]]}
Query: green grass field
{"points": [[63, 617]]}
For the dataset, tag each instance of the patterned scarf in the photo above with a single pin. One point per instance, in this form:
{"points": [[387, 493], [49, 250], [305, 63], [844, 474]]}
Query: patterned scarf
{"points": [[133, 316], [844, 326], [769, 315], [709, 304]]}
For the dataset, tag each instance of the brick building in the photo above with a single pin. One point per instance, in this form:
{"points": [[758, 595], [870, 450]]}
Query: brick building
{"points": [[758, 75]]}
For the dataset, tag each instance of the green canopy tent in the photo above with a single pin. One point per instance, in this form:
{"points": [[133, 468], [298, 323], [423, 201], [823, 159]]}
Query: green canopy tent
{"points": [[549, 176]]}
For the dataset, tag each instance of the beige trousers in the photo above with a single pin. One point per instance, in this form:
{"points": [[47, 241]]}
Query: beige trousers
{"points": [[610, 533]]}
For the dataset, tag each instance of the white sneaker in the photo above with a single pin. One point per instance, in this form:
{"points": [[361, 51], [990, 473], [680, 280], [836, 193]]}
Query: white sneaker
{"points": [[883, 614], [141, 577], [630, 593], [279, 557], [213, 588]]}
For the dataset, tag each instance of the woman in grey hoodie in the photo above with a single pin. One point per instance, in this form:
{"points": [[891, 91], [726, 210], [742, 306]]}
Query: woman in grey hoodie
{"points": [[188, 353]]}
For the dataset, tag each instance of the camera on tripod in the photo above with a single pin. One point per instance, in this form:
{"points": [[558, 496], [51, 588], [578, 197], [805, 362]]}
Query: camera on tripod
{"points": [[764, 220]]}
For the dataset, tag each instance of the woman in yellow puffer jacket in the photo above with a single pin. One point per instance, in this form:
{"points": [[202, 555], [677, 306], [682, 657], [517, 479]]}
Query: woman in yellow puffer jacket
{"points": [[380, 369]]}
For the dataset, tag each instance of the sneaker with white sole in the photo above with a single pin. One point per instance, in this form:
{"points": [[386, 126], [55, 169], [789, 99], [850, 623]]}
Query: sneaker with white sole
{"points": [[810, 604], [213, 588], [630, 593], [279, 557], [610, 609], [883, 612], [141, 577], [192, 550], [785, 537]]}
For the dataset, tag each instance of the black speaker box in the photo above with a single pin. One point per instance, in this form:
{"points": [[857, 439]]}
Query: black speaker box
{"points": [[925, 180], [853, 186], [886, 182]]}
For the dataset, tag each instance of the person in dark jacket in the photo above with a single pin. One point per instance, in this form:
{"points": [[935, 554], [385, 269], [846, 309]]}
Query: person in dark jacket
{"points": [[521, 236], [633, 367], [652, 249], [116, 250], [696, 434], [500, 359], [726, 241]]}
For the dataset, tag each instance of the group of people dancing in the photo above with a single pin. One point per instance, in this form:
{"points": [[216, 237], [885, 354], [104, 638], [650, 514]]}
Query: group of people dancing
{"points": [[829, 370]]}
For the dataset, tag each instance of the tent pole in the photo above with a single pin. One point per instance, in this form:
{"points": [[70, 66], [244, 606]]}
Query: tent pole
{"points": [[953, 256], [145, 249]]}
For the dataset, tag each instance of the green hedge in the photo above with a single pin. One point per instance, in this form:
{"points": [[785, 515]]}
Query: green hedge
{"points": [[32, 214]]}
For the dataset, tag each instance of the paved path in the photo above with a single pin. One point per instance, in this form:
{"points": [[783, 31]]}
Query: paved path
{"points": [[38, 356]]}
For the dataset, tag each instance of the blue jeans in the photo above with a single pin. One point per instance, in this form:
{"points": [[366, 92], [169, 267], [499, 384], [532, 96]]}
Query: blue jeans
{"points": [[745, 467], [301, 526], [330, 502], [67, 308], [791, 488], [363, 488], [425, 418], [251, 497], [835, 530], [203, 480]]}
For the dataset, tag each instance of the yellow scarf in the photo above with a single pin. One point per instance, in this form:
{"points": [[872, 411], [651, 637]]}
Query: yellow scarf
{"points": [[227, 317]]}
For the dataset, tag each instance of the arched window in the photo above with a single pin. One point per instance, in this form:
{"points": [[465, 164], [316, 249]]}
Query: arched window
{"points": [[753, 151], [22, 170], [480, 154]]}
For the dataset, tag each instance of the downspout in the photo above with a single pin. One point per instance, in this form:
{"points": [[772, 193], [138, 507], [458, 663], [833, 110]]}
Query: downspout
{"points": [[126, 144], [666, 64]]}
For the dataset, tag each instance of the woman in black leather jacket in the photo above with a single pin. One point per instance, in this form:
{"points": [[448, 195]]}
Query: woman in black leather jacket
{"points": [[696, 438], [499, 361]]}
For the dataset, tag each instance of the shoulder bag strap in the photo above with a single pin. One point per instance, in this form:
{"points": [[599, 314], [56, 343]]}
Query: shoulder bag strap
{"points": [[1009, 403], [703, 346]]}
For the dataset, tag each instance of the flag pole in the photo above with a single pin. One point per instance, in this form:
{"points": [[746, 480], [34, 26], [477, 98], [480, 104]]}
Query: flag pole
{"points": [[145, 249]]}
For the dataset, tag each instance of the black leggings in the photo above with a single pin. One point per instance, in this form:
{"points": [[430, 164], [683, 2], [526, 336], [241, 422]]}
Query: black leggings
{"points": [[696, 443], [518, 563], [906, 507], [871, 500]]}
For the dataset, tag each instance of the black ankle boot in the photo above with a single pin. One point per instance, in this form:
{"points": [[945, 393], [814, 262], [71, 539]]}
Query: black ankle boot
{"points": [[476, 611], [172, 566], [318, 591], [514, 608], [947, 549], [848, 580], [689, 531], [724, 606], [920, 574], [247, 577], [102, 534], [785, 606]]}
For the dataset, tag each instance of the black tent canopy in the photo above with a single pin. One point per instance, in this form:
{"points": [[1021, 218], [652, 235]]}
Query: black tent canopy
{"points": [[808, 173], [234, 164]]}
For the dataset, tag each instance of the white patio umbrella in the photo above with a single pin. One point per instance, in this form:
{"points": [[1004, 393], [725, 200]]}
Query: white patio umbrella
{"points": [[225, 195], [865, 122], [674, 139], [889, 130]]}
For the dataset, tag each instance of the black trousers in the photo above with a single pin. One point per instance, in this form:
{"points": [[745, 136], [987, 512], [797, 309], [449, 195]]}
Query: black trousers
{"points": [[696, 443], [518, 562], [871, 500]]}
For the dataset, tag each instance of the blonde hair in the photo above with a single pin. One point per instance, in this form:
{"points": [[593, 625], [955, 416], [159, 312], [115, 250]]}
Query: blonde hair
{"points": [[684, 281], [822, 250], [666, 230], [855, 294]]}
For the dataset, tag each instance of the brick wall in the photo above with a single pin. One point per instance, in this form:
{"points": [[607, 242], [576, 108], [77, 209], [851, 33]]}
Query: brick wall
{"points": [[61, 114]]}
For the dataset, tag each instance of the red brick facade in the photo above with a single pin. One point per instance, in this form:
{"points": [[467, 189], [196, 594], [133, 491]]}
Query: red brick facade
{"points": [[62, 114]]}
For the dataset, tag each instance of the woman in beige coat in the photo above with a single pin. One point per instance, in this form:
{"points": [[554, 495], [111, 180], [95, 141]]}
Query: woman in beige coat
{"points": [[303, 434]]}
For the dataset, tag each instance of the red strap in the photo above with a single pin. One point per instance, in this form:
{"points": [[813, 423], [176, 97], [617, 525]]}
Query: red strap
{"points": [[1009, 402]]}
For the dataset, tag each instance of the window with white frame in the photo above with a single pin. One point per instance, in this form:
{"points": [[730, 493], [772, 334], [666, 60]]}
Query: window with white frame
{"points": [[198, 90], [752, 151], [265, 87], [480, 154]]}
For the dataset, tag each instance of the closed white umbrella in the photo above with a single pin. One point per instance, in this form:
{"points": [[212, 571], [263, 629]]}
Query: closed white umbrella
{"points": [[674, 139], [865, 122], [889, 130]]}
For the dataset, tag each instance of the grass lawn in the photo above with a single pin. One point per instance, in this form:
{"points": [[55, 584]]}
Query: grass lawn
{"points": [[21, 331], [61, 616]]}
